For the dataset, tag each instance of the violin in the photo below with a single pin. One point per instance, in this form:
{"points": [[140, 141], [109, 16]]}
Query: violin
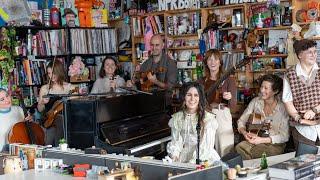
{"points": [[52, 113], [26, 132], [56, 109]]}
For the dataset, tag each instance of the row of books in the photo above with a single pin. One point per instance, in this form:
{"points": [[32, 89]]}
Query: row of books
{"points": [[93, 41], [231, 59], [211, 39], [30, 72], [49, 42], [306, 166], [33, 72], [43, 43], [140, 25]]}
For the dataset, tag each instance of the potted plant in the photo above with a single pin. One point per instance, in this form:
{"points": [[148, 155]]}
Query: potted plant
{"points": [[63, 144]]}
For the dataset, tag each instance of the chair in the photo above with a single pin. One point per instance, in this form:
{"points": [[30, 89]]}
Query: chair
{"points": [[232, 159], [306, 149]]}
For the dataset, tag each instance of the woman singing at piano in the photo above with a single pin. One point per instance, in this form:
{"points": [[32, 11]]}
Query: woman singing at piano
{"points": [[183, 146], [221, 100], [56, 85], [266, 108], [108, 80]]}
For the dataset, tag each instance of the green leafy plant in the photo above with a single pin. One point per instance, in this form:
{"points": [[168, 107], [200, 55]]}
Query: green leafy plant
{"points": [[62, 141], [7, 43]]}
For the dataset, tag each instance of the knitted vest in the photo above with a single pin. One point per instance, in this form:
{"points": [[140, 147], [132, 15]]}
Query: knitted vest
{"points": [[304, 97]]}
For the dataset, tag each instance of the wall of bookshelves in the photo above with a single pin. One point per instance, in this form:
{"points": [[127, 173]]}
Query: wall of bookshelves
{"points": [[38, 45]]}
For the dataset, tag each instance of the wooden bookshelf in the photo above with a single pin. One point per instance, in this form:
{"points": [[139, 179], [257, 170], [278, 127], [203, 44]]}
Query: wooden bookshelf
{"points": [[230, 6], [233, 51], [182, 35], [274, 28], [268, 55], [183, 47], [231, 28]]}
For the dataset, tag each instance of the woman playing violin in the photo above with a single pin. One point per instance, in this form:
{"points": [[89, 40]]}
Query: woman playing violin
{"points": [[56, 85], [108, 80], [227, 92], [9, 115]]}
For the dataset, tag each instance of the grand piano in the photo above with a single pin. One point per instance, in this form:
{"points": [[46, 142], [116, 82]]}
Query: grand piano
{"points": [[126, 123]]}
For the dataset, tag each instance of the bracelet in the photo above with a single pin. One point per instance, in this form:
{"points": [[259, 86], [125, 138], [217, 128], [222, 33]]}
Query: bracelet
{"points": [[315, 110]]}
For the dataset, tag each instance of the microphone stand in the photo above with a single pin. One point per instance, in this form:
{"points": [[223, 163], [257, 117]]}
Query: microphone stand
{"points": [[198, 128]]}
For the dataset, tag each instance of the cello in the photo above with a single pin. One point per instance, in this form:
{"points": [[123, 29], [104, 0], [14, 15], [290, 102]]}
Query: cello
{"points": [[26, 132]]}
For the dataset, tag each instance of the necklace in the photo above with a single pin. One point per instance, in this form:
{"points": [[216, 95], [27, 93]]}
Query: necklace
{"points": [[4, 111]]}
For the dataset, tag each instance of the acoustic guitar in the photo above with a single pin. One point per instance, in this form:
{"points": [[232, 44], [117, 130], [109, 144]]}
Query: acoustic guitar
{"points": [[258, 125]]}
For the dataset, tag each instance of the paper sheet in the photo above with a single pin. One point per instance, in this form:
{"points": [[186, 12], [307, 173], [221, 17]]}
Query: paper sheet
{"points": [[275, 35]]}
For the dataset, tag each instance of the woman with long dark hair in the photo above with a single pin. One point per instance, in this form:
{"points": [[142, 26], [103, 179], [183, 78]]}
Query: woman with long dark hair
{"points": [[183, 147]]}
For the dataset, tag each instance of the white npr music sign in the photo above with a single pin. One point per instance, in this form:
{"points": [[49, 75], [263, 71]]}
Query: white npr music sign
{"points": [[165, 5]]}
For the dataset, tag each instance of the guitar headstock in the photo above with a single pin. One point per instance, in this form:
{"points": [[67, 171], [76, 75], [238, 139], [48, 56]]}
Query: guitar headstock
{"points": [[243, 62]]}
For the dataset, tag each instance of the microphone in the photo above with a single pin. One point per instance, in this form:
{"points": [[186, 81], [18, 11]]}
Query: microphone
{"points": [[198, 128]]}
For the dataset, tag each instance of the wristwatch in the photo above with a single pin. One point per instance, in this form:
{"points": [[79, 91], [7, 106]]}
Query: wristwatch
{"points": [[315, 110]]}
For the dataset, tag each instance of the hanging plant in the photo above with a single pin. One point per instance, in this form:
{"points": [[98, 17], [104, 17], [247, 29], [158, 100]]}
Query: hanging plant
{"points": [[6, 60]]}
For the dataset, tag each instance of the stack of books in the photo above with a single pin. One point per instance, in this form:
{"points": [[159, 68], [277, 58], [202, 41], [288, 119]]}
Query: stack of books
{"points": [[306, 166]]}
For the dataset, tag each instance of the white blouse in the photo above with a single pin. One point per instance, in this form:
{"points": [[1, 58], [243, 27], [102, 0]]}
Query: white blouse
{"points": [[102, 85], [184, 138], [7, 120], [279, 132]]}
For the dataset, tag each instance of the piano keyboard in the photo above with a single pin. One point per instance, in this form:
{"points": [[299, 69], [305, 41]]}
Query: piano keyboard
{"points": [[148, 145]]}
